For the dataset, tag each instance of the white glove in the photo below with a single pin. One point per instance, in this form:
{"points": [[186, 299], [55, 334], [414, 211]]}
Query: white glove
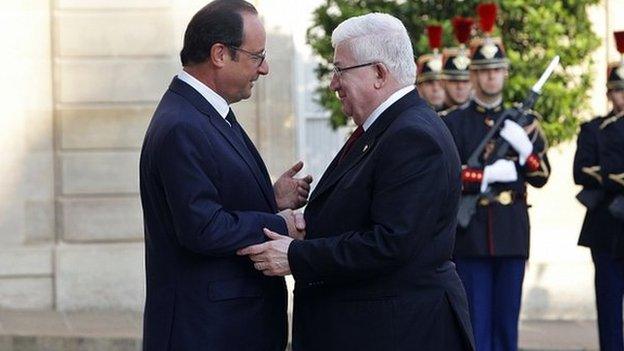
{"points": [[500, 171], [518, 139]]}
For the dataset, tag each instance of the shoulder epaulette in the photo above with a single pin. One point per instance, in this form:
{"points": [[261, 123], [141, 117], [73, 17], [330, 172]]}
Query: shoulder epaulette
{"points": [[444, 113], [610, 120], [594, 121], [535, 114]]}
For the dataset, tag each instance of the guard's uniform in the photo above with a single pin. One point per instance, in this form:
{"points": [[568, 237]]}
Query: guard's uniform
{"points": [[491, 252], [599, 166], [600, 228], [499, 229], [608, 244]]}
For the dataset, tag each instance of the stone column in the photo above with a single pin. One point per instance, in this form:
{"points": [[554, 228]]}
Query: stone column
{"points": [[113, 60], [26, 160]]}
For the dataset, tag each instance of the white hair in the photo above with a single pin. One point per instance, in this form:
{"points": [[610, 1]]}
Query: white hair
{"points": [[379, 37]]}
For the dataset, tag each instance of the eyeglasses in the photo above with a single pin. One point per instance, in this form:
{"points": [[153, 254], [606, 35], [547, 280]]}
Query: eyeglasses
{"points": [[338, 71], [259, 57]]}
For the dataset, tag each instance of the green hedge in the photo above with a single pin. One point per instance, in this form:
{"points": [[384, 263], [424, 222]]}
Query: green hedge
{"points": [[533, 31]]}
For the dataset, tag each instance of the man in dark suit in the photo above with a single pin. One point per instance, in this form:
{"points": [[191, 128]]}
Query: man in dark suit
{"points": [[374, 271], [206, 193]]}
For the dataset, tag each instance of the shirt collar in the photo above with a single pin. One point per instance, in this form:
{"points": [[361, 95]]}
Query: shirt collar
{"points": [[495, 106], [213, 98], [384, 105]]}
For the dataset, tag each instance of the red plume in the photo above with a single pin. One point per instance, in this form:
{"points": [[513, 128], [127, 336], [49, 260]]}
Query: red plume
{"points": [[619, 41], [462, 26], [487, 16], [434, 32]]}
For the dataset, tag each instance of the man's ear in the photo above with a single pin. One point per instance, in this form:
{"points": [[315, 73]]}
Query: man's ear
{"points": [[382, 75], [219, 54]]}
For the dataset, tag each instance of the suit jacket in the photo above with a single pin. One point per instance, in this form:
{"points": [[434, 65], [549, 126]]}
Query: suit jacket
{"points": [[206, 193], [600, 228], [373, 272], [496, 230]]}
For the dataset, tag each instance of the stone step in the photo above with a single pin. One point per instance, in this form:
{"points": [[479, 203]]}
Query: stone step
{"points": [[69, 331], [67, 343]]}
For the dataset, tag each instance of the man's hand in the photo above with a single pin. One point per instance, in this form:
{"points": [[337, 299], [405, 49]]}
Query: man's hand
{"points": [[502, 171], [295, 223], [517, 137], [292, 192], [271, 257]]}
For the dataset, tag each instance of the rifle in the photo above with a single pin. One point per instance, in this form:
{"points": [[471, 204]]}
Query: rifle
{"points": [[518, 114]]}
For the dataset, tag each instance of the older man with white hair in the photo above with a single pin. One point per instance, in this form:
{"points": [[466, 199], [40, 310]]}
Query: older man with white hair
{"points": [[374, 271]]}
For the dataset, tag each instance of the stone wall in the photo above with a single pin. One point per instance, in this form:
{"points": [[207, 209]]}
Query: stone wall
{"points": [[112, 62], [27, 223]]}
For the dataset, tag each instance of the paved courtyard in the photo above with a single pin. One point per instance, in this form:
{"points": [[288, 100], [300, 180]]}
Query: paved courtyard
{"points": [[120, 331]]}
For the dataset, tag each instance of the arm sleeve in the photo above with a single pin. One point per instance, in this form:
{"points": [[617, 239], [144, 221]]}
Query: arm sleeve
{"points": [[201, 223], [612, 157], [586, 167], [536, 169]]}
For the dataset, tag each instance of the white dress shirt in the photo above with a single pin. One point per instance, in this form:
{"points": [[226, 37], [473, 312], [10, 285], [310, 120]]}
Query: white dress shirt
{"points": [[213, 98]]}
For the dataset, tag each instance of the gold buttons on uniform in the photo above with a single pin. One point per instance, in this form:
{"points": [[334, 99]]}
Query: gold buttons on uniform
{"points": [[505, 198]]}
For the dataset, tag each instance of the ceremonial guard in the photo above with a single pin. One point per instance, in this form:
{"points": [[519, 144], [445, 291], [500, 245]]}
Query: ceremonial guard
{"points": [[599, 168], [429, 74], [492, 248], [455, 73]]}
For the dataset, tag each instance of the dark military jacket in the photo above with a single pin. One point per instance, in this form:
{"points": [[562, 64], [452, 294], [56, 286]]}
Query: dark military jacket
{"points": [[612, 167], [450, 108], [600, 228], [497, 229]]}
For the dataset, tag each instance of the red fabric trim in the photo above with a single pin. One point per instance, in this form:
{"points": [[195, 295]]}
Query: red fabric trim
{"points": [[487, 16], [533, 163], [471, 175], [490, 234], [434, 32]]}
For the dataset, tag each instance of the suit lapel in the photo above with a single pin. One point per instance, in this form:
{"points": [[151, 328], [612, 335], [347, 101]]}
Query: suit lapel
{"points": [[245, 152], [268, 187], [335, 171]]}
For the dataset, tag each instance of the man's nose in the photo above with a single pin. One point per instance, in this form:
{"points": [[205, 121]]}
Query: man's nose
{"points": [[264, 68]]}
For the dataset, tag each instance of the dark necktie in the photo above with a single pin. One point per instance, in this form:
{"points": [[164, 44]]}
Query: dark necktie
{"points": [[238, 131], [230, 117], [251, 154], [235, 126], [349, 144]]}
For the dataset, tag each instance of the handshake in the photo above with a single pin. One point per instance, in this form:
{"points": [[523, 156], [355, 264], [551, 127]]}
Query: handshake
{"points": [[294, 222], [271, 257]]}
